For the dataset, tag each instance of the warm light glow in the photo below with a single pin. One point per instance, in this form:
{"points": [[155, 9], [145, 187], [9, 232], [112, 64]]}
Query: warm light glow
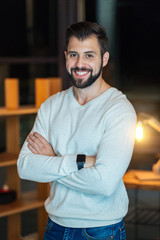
{"points": [[139, 131]]}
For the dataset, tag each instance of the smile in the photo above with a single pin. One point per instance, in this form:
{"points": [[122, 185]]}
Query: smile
{"points": [[81, 73]]}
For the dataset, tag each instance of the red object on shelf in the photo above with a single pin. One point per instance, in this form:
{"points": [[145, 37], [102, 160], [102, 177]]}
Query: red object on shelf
{"points": [[3, 190], [7, 196]]}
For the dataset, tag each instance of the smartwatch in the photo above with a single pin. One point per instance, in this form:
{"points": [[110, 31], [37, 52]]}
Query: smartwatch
{"points": [[81, 160]]}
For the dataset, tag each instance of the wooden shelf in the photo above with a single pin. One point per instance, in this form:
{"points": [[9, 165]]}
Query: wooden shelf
{"points": [[8, 159], [29, 201], [19, 111], [11, 113], [33, 236]]}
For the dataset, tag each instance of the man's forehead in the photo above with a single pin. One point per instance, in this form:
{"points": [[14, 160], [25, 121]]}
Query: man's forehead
{"points": [[88, 44]]}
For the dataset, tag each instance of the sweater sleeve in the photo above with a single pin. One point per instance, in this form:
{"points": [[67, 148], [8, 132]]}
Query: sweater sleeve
{"points": [[41, 168], [113, 157]]}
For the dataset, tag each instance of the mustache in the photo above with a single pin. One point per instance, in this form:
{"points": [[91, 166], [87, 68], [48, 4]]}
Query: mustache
{"points": [[80, 69]]}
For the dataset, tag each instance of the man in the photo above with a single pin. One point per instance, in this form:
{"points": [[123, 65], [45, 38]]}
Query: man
{"points": [[82, 142]]}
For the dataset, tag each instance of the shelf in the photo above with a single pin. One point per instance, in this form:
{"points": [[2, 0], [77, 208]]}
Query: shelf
{"points": [[8, 159], [29, 201], [12, 115], [33, 236], [20, 111]]}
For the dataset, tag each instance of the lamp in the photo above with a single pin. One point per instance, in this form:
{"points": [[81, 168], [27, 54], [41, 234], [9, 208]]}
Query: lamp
{"points": [[144, 118]]}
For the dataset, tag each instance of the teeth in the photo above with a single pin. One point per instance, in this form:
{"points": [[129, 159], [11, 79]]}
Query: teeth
{"points": [[81, 73]]}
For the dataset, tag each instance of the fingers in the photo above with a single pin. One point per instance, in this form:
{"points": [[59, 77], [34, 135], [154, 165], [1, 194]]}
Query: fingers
{"points": [[32, 149], [39, 145], [40, 137], [37, 138], [35, 143]]}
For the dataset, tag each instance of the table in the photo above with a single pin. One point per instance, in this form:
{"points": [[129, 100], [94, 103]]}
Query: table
{"points": [[132, 182]]}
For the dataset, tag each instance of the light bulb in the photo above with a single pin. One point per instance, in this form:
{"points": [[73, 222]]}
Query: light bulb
{"points": [[139, 131]]}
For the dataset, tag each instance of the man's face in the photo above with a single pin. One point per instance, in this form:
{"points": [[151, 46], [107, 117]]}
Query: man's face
{"points": [[84, 62]]}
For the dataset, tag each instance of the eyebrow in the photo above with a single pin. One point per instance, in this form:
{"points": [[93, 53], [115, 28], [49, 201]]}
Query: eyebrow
{"points": [[71, 52], [84, 52], [91, 52]]}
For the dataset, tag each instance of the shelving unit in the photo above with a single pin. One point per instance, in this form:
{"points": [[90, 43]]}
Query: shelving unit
{"points": [[28, 200]]}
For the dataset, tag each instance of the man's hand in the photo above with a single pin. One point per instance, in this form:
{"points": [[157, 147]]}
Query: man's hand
{"points": [[39, 145]]}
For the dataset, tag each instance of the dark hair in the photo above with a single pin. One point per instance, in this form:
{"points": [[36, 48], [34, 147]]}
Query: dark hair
{"points": [[83, 30]]}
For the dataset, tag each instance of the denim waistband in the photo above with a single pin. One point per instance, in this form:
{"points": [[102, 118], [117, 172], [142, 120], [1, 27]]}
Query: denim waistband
{"points": [[116, 225]]}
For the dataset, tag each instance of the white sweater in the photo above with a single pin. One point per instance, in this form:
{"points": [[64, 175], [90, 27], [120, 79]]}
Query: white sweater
{"points": [[105, 127]]}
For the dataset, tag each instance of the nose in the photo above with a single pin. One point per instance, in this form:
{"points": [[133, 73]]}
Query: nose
{"points": [[80, 62]]}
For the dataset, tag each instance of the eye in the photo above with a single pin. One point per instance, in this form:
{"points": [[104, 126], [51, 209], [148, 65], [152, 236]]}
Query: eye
{"points": [[73, 55], [89, 55]]}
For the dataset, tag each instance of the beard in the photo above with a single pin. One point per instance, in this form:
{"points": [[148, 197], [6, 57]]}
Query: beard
{"points": [[78, 83]]}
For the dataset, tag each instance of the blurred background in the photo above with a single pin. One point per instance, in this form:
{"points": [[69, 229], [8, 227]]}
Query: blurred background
{"points": [[32, 42]]}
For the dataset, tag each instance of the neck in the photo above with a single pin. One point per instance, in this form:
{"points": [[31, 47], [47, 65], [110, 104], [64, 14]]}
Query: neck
{"points": [[84, 95]]}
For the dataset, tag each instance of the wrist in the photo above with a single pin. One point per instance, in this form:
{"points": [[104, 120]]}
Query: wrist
{"points": [[90, 161]]}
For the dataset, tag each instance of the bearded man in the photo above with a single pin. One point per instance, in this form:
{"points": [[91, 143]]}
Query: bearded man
{"points": [[81, 143]]}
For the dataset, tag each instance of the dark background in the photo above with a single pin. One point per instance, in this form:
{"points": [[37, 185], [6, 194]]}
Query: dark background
{"points": [[36, 50]]}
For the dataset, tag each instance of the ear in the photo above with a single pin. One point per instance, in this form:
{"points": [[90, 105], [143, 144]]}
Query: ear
{"points": [[105, 58], [65, 54]]}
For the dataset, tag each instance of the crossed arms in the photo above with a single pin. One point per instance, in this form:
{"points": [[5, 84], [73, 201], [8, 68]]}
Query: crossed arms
{"points": [[39, 162], [37, 144]]}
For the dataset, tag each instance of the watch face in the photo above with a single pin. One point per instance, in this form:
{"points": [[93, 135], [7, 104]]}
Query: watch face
{"points": [[81, 158]]}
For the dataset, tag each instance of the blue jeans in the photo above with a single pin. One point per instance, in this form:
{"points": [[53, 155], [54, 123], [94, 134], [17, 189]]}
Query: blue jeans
{"points": [[57, 232]]}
